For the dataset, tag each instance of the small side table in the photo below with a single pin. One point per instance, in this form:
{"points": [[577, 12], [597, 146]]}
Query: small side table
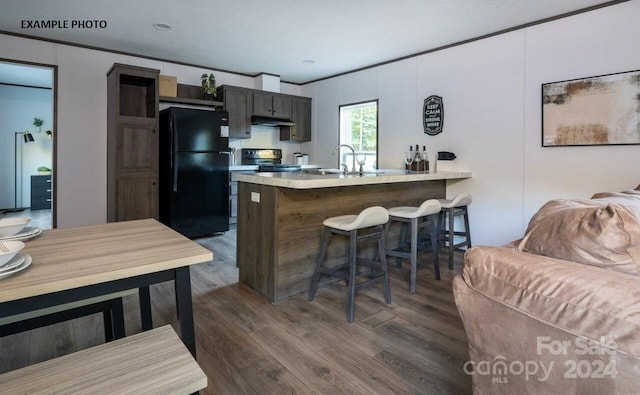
{"points": [[41, 192]]}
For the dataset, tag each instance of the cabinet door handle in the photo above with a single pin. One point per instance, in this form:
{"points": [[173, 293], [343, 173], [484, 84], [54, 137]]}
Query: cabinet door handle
{"points": [[49, 181]]}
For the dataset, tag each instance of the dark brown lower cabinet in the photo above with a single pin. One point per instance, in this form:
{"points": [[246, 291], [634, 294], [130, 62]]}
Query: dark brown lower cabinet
{"points": [[137, 197]]}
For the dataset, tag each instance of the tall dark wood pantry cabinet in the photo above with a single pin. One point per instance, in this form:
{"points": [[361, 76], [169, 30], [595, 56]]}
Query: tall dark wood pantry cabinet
{"points": [[132, 143]]}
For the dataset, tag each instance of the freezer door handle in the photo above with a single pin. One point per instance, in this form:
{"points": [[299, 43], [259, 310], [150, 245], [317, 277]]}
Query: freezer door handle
{"points": [[174, 157]]}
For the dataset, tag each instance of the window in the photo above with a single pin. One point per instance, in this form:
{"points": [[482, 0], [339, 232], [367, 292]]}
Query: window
{"points": [[359, 129]]}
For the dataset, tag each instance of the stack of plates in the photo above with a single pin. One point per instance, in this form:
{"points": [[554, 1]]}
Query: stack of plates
{"points": [[16, 264], [26, 233], [13, 231]]}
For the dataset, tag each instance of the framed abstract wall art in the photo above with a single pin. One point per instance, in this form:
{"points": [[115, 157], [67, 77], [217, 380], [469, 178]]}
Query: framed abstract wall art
{"points": [[601, 110]]}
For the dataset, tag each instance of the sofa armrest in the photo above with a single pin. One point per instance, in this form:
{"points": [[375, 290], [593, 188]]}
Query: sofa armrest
{"points": [[583, 300]]}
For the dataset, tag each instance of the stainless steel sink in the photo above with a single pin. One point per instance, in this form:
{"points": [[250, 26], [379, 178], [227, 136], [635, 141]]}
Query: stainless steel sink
{"points": [[323, 171], [340, 172]]}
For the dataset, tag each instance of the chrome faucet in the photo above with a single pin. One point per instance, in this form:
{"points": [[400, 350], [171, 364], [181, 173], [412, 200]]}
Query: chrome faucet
{"points": [[353, 155]]}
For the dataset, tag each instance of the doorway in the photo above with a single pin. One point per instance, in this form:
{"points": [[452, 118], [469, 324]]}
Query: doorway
{"points": [[28, 142]]}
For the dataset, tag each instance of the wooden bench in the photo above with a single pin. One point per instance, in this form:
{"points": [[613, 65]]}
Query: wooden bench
{"points": [[151, 362]]}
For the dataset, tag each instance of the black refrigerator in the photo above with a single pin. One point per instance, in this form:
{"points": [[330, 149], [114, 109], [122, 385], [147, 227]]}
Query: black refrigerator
{"points": [[194, 171]]}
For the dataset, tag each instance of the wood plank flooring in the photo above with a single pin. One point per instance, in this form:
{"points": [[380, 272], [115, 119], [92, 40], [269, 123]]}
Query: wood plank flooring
{"points": [[245, 345]]}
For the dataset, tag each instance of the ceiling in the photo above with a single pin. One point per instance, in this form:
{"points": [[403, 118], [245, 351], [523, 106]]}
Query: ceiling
{"points": [[299, 40]]}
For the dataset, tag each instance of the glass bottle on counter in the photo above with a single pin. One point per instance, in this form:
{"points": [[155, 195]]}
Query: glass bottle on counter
{"points": [[425, 159], [407, 164], [418, 165]]}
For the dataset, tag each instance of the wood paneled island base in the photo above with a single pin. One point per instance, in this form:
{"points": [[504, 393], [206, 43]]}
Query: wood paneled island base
{"points": [[279, 235]]}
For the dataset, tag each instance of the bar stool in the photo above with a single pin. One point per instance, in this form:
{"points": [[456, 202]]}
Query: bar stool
{"points": [[425, 216], [349, 225], [454, 208]]}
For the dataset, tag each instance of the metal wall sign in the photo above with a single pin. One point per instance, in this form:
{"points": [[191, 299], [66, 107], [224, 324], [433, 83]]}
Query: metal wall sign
{"points": [[433, 115]]}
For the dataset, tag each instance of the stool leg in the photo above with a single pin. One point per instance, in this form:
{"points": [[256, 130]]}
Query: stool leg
{"points": [[434, 244], [441, 230], [402, 243], [466, 225], [321, 255], [383, 263], [414, 253], [451, 242], [353, 235]]}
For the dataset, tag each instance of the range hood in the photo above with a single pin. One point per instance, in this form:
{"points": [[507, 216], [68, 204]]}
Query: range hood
{"points": [[268, 121]]}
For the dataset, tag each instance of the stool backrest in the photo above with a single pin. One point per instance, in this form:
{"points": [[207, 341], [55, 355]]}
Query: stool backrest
{"points": [[463, 199], [428, 207], [371, 216]]}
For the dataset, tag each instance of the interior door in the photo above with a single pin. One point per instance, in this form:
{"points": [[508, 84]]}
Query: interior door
{"points": [[29, 103]]}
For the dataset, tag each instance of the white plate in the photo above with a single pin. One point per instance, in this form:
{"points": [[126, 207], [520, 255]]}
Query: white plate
{"points": [[26, 234], [15, 261], [12, 225], [25, 264]]}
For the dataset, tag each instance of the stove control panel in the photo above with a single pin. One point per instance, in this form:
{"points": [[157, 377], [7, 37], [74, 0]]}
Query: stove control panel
{"points": [[261, 153]]}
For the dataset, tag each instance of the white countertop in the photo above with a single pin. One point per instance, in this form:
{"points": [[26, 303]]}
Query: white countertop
{"points": [[302, 180]]}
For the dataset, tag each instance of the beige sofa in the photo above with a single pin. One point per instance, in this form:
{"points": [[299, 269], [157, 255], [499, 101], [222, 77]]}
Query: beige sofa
{"points": [[558, 312]]}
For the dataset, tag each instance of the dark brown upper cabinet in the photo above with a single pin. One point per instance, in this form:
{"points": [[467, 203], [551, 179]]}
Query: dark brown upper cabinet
{"points": [[238, 102], [301, 115], [270, 104]]}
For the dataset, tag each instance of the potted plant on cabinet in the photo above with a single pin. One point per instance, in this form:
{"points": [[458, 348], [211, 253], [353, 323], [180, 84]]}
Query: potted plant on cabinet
{"points": [[208, 86], [37, 122]]}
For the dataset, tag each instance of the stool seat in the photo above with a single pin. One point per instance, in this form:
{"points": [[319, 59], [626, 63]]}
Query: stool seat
{"points": [[429, 207], [373, 219], [413, 220], [369, 217]]}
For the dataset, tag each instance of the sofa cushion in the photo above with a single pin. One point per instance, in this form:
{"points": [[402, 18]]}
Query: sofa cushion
{"points": [[625, 198], [593, 232]]}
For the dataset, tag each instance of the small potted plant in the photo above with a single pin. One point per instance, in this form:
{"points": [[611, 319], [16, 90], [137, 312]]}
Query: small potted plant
{"points": [[208, 86], [37, 122], [44, 170]]}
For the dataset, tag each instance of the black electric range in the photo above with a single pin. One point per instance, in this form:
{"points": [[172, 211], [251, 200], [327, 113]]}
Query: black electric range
{"points": [[267, 159]]}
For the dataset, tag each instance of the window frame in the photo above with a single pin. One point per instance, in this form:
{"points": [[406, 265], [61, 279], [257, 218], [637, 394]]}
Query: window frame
{"points": [[377, 103]]}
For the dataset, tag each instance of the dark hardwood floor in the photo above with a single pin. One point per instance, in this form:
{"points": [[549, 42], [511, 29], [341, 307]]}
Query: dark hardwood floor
{"points": [[416, 345]]}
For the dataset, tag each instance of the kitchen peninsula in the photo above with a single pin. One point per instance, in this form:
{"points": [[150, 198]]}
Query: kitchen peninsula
{"points": [[280, 219]]}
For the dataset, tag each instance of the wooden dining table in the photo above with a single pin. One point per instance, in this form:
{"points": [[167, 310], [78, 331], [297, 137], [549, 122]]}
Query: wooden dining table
{"points": [[78, 263]]}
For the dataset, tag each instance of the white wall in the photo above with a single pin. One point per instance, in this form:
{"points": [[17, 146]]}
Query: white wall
{"points": [[491, 93], [82, 119], [18, 107]]}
